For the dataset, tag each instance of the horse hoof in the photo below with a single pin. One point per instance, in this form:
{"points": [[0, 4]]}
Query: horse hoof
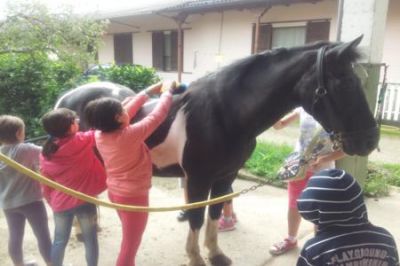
{"points": [[220, 260], [198, 262]]}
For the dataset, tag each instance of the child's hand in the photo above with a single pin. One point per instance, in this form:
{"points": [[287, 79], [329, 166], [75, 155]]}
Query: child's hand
{"points": [[169, 86], [154, 89], [279, 125], [316, 163]]}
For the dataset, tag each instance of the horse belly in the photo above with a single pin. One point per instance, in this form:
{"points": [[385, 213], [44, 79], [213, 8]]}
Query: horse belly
{"points": [[170, 151]]}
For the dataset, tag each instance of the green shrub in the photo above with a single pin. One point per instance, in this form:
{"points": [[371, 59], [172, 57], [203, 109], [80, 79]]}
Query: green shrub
{"points": [[376, 184], [136, 77], [392, 173], [30, 84]]}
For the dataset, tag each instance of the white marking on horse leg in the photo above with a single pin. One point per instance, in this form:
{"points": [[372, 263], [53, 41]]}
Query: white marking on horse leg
{"points": [[193, 249], [215, 254], [211, 240]]}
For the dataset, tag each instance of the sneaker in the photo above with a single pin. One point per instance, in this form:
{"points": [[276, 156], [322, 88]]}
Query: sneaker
{"points": [[31, 263], [225, 224], [282, 247], [234, 218], [182, 216]]}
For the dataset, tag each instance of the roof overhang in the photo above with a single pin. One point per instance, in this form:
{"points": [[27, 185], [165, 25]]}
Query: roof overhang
{"points": [[202, 6]]}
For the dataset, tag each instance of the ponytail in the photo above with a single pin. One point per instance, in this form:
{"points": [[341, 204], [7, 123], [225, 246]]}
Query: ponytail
{"points": [[57, 124], [49, 147]]}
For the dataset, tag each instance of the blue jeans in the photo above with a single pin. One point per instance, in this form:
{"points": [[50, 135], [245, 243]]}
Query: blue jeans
{"points": [[86, 215]]}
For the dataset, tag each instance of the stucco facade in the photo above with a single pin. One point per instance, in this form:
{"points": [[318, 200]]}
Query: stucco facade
{"points": [[214, 39]]}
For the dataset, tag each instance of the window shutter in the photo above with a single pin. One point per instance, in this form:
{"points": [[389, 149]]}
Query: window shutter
{"points": [[174, 52], [123, 53], [158, 50], [264, 38], [317, 31]]}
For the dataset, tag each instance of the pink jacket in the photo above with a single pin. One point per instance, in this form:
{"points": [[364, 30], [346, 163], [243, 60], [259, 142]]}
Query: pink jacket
{"points": [[76, 166], [125, 154]]}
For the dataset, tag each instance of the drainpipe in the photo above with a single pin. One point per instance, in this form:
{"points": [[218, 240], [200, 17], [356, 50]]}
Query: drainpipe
{"points": [[257, 30], [339, 20], [180, 19]]}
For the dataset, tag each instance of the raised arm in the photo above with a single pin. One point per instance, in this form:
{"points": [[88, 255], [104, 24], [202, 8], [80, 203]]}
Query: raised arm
{"points": [[134, 103], [288, 119], [147, 125]]}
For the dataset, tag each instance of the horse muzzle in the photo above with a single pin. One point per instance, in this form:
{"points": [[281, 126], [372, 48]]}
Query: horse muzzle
{"points": [[359, 143]]}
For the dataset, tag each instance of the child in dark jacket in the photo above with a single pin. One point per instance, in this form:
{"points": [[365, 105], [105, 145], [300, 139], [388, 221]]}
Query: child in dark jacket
{"points": [[333, 201]]}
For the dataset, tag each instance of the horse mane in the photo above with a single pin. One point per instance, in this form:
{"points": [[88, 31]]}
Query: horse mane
{"points": [[230, 79]]}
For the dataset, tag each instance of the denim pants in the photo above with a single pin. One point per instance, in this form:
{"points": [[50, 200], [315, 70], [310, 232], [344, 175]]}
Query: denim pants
{"points": [[86, 215]]}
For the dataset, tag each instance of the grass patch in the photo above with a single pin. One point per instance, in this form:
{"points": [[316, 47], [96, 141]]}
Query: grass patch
{"points": [[390, 131], [268, 157]]}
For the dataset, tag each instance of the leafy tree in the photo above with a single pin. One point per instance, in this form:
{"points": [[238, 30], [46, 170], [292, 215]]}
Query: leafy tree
{"points": [[30, 27], [41, 55]]}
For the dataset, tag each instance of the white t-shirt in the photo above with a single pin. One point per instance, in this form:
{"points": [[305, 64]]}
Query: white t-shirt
{"points": [[308, 128]]}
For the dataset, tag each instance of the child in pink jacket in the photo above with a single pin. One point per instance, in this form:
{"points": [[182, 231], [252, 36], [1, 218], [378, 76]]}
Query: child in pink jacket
{"points": [[68, 158], [127, 158]]}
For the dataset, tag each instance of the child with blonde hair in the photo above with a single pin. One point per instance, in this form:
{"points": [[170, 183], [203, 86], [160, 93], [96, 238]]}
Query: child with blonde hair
{"points": [[20, 196]]}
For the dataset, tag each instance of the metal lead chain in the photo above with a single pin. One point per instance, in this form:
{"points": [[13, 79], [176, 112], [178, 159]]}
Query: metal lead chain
{"points": [[252, 188]]}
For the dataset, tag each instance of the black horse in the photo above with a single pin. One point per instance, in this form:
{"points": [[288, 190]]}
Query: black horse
{"points": [[212, 127]]}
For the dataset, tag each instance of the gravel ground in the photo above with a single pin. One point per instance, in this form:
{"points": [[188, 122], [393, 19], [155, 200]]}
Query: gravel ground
{"points": [[261, 215]]}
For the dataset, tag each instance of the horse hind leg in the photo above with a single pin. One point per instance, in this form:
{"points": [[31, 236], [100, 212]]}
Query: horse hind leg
{"points": [[216, 255], [193, 249], [196, 192]]}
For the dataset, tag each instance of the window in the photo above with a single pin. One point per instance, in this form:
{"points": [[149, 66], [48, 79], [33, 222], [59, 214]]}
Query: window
{"points": [[165, 50], [288, 36], [123, 53], [272, 36]]}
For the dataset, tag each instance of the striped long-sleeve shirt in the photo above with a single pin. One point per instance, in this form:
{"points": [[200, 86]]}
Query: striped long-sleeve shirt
{"points": [[333, 201]]}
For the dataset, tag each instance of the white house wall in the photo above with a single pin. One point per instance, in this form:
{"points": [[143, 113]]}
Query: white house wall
{"points": [[391, 54], [206, 48], [106, 50], [142, 49]]}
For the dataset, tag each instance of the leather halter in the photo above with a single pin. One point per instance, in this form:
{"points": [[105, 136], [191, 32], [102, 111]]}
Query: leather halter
{"points": [[321, 95]]}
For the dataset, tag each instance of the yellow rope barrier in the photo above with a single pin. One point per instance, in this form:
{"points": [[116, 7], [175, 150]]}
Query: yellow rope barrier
{"points": [[108, 204]]}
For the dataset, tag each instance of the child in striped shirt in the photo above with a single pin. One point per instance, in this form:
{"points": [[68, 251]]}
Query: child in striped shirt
{"points": [[333, 201]]}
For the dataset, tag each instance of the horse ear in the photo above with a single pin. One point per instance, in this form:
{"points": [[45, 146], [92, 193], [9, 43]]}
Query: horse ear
{"points": [[347, 50]]}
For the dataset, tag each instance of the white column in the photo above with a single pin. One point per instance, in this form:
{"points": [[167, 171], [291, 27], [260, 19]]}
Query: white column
{"points": [[366, 17]]}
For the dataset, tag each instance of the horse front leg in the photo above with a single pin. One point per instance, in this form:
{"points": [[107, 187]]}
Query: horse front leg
{"points": [[216, 255]]}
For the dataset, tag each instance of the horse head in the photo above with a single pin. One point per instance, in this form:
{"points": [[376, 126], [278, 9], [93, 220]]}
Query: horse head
{"points": [[332, 93]]}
